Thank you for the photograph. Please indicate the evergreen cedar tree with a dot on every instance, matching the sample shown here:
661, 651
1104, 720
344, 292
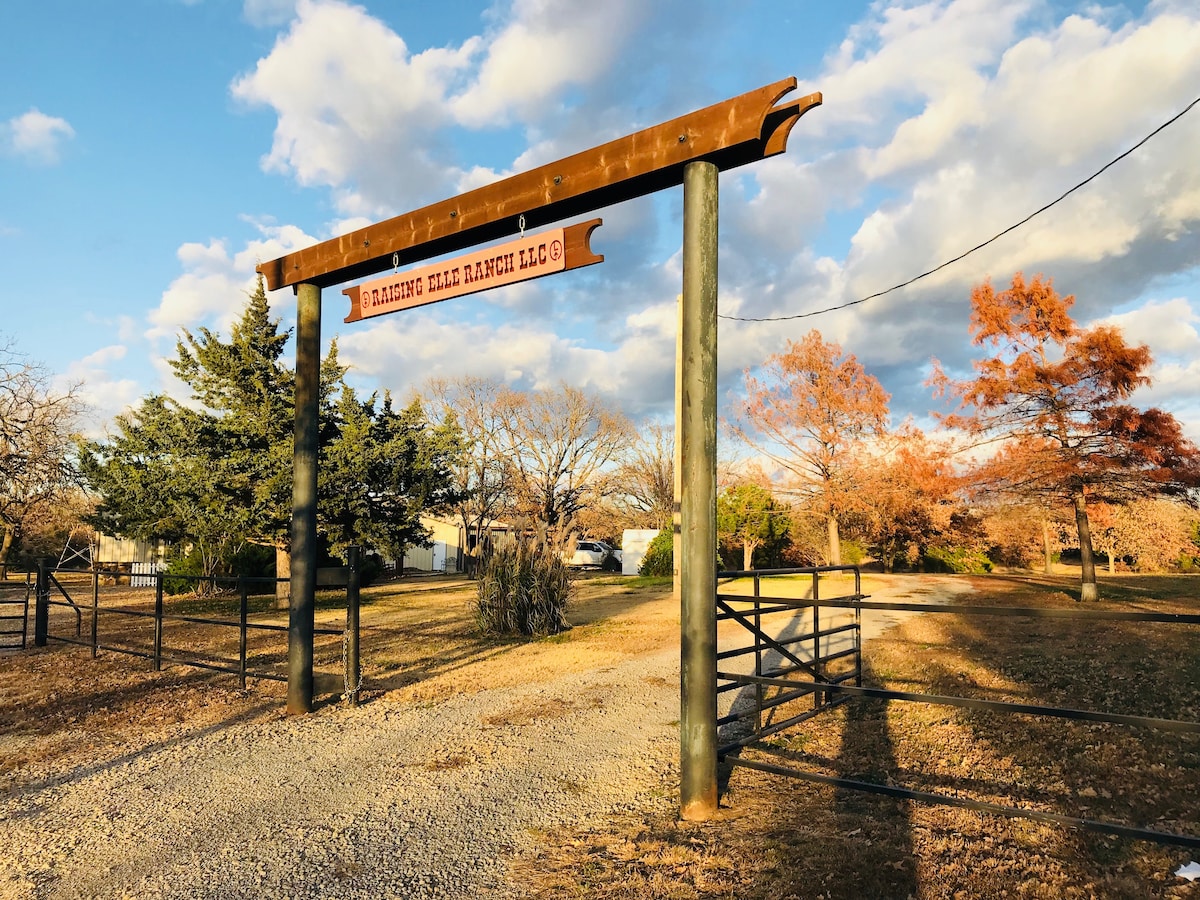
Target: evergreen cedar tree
220, 476
811, 412
1056, 396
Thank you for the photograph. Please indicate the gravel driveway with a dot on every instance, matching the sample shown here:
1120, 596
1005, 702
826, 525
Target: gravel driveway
385, 800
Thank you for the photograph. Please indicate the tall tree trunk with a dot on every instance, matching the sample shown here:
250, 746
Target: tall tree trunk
1049, 568
1087, 587
748, 555
6, 543
283, 569
1112, 562
835, 543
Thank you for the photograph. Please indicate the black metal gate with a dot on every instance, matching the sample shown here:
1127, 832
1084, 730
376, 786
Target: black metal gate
821, 650
799, 673
14, 614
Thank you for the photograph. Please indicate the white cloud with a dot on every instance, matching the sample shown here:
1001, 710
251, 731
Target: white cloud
354, 106
359, 113
103, 393
944, 122
403, 353
905, 55
37, 137
941, 127
1168, 327
268, 13
546, 46
1171, 329
1059, 105
213, 287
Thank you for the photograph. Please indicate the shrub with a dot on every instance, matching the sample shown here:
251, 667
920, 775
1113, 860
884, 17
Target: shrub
524, 589
660, 557
253, 561
188, 572
957, 560
370, 568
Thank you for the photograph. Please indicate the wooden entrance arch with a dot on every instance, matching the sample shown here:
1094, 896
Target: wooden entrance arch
690, 150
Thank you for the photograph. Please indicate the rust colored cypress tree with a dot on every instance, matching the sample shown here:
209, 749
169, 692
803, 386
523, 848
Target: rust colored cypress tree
1056, 398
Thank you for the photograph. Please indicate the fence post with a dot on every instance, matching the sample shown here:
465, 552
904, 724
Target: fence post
858, 629
818, 696
243, 610
95, 611
158, 621
41, 606
353, 672
758, 654
304, 499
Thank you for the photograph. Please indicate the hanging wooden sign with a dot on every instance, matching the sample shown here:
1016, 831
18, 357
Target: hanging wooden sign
529, 257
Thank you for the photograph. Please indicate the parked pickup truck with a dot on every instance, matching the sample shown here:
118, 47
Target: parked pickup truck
594, 554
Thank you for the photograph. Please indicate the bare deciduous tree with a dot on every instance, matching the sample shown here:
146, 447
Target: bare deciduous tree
37, 425
562, 444
483, 474
645, 482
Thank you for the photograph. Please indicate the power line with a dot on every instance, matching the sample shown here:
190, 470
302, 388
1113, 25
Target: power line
992, 239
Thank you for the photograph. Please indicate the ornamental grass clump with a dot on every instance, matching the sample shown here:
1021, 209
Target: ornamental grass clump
524, 589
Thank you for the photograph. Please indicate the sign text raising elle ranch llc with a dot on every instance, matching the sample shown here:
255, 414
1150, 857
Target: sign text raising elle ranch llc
528, 257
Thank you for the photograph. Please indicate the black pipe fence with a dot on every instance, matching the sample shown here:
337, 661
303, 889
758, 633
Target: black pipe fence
14, 613
234, 603
828, 690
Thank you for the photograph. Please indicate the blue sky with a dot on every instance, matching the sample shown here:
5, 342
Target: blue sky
153, 151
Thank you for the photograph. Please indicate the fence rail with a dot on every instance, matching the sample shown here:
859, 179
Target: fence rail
803, 645
156, 645
828, 691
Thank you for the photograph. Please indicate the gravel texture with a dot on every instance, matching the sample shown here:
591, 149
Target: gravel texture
383, 800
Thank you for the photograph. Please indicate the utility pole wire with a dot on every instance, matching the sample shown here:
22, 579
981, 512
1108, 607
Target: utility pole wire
992, 239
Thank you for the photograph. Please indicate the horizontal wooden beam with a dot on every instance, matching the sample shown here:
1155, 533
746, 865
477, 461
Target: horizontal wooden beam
733, 133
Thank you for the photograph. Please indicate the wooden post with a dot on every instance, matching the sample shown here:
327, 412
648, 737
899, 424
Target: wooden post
698, 574
95, 610
243, 615
353, 669
304, 500
677, 461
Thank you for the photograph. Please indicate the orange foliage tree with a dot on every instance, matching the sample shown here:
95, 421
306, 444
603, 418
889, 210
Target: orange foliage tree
909, 492
1056, 395
1019, 531
810, 410
1153, 534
